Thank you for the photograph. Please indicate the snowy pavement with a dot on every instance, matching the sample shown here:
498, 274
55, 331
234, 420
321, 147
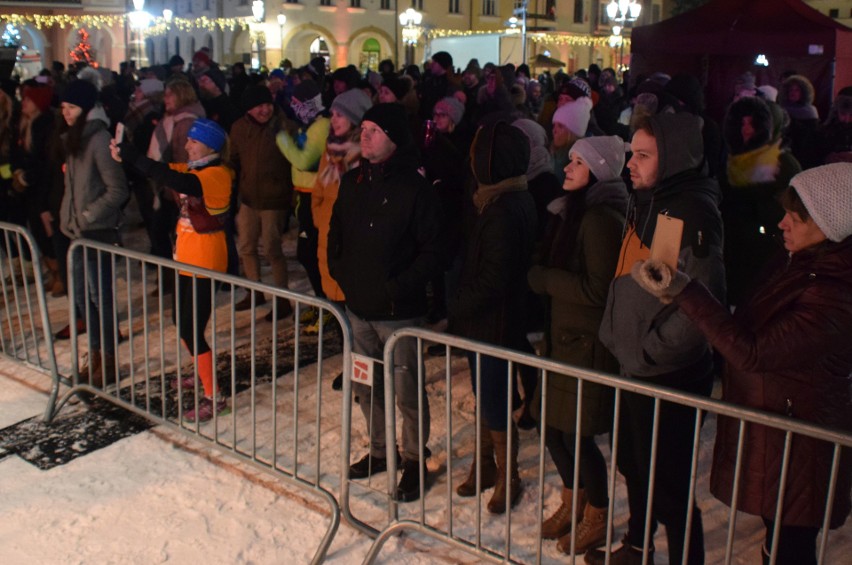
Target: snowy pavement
156, 497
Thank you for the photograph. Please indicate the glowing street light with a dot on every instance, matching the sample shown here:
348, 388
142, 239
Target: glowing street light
168, 15
258, 10
410, 21
623, 10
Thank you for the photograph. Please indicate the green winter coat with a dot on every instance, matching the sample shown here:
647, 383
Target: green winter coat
576, 291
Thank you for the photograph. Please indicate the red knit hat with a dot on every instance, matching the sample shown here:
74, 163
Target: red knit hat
40, 95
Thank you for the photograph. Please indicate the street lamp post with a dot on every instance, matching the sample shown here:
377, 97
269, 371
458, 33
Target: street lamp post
258, 12
139, 19
522, 11
624, 13
410, 21
282, 19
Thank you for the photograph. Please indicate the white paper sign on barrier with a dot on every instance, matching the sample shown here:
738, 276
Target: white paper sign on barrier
362, 369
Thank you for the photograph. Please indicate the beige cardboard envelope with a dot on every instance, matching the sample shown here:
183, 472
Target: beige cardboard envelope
667, 238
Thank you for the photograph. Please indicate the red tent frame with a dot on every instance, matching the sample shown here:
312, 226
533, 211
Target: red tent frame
720, 41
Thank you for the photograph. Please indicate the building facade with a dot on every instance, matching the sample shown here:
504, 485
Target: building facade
359, 32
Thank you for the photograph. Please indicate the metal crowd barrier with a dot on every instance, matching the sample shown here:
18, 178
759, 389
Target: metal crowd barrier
439, 514
269, 372
25, 333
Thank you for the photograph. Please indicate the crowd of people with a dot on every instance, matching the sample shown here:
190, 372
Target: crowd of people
506, 204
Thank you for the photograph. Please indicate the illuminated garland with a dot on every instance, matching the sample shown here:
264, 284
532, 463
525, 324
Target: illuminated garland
159, 26
573, 39
439, 33
548, 38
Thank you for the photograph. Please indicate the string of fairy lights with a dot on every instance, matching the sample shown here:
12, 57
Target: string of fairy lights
560, 38
159, 25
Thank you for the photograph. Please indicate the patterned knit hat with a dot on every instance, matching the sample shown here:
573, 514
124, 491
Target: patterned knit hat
826, 192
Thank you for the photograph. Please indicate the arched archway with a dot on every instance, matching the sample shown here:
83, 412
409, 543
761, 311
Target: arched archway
31, 50
300, 40
240, 48
368, 47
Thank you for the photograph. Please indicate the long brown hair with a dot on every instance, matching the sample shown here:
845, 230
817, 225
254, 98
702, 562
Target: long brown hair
74, 142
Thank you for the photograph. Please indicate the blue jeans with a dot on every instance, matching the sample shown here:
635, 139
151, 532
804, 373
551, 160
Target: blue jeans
493, 392
96, 306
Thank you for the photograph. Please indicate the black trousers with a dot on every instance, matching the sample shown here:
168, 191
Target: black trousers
306, 247
796, 544
194, 315
674, 458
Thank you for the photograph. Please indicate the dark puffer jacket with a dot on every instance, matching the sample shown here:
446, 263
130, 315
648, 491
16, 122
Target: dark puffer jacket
384, 241
490, 304
787, 352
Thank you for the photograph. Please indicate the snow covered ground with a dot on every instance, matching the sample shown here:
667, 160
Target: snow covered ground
156, 496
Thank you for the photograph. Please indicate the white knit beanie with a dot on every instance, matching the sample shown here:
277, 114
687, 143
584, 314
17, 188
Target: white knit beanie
604, 155
575, 115
826, 192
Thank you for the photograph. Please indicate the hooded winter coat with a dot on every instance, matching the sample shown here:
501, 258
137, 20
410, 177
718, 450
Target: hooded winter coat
756, 173
575, 279
490, 303
787, 352
384, 241
651, 340
95, 185
804, 121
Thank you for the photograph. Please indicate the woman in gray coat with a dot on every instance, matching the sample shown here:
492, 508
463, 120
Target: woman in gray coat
95, 191
573, 270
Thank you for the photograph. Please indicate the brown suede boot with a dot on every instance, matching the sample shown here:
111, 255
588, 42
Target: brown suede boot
560, 523
102, 369
488, 477
590, 531
92, 369
497, 504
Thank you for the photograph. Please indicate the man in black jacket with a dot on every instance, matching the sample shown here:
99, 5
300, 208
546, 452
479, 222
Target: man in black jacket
657, 344
383, 246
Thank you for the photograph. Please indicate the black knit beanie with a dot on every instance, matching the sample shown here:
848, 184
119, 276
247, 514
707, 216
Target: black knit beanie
254, 96
500, 151
391, 119
81, 93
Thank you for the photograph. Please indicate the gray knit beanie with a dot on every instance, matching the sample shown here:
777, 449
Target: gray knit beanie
452, 107
826, 192
604, 155
352, 104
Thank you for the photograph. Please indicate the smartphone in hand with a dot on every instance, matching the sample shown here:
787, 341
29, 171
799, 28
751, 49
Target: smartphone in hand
119, 132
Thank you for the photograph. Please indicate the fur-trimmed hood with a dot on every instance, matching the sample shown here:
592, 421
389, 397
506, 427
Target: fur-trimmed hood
761, 120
